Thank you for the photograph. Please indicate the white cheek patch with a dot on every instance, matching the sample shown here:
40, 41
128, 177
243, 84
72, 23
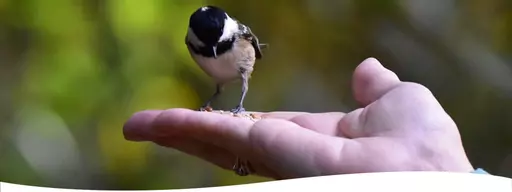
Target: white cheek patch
230, 28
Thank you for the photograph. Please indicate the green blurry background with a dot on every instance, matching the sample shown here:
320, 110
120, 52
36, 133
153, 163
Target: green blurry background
72, 72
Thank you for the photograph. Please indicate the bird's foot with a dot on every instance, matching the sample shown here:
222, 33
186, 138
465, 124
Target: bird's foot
206, 108
238, 109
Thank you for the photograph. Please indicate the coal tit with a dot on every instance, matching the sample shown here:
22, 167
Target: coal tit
224, 49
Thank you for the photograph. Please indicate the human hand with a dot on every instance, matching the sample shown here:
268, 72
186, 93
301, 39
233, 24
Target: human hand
401, 127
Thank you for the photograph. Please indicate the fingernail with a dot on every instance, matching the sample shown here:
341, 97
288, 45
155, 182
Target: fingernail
137, 128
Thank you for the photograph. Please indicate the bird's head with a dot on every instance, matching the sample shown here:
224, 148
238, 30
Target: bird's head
210, 25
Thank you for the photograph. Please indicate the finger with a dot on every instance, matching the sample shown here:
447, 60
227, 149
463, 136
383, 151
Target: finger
295, 151
215, 155
213, 128
320, 122
352, 124
137, 127
371, 80
224, 131
324, 123
287, 115
218, 156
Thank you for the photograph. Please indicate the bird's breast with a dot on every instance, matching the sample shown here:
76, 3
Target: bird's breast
227, 67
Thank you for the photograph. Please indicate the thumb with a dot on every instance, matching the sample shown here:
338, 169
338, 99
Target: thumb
371, 80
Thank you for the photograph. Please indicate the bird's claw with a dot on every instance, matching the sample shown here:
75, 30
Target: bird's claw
205, 108
238, 109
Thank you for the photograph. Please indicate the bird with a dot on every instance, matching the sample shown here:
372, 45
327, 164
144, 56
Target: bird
224, 48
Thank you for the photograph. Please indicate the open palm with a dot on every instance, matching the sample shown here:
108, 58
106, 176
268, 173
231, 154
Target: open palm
400, 127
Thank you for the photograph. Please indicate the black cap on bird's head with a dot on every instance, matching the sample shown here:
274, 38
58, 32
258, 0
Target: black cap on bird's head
207, 23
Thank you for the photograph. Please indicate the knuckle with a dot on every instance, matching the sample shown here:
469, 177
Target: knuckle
259, 134
417, 87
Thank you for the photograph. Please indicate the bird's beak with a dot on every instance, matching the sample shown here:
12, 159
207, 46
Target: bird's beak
214, 52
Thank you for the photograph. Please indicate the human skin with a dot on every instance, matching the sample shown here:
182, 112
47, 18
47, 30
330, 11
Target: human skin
399, 127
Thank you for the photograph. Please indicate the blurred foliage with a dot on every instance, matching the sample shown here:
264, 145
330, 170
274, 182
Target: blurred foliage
72, 72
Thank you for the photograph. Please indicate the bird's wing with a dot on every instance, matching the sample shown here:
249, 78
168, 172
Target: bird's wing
247, 33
